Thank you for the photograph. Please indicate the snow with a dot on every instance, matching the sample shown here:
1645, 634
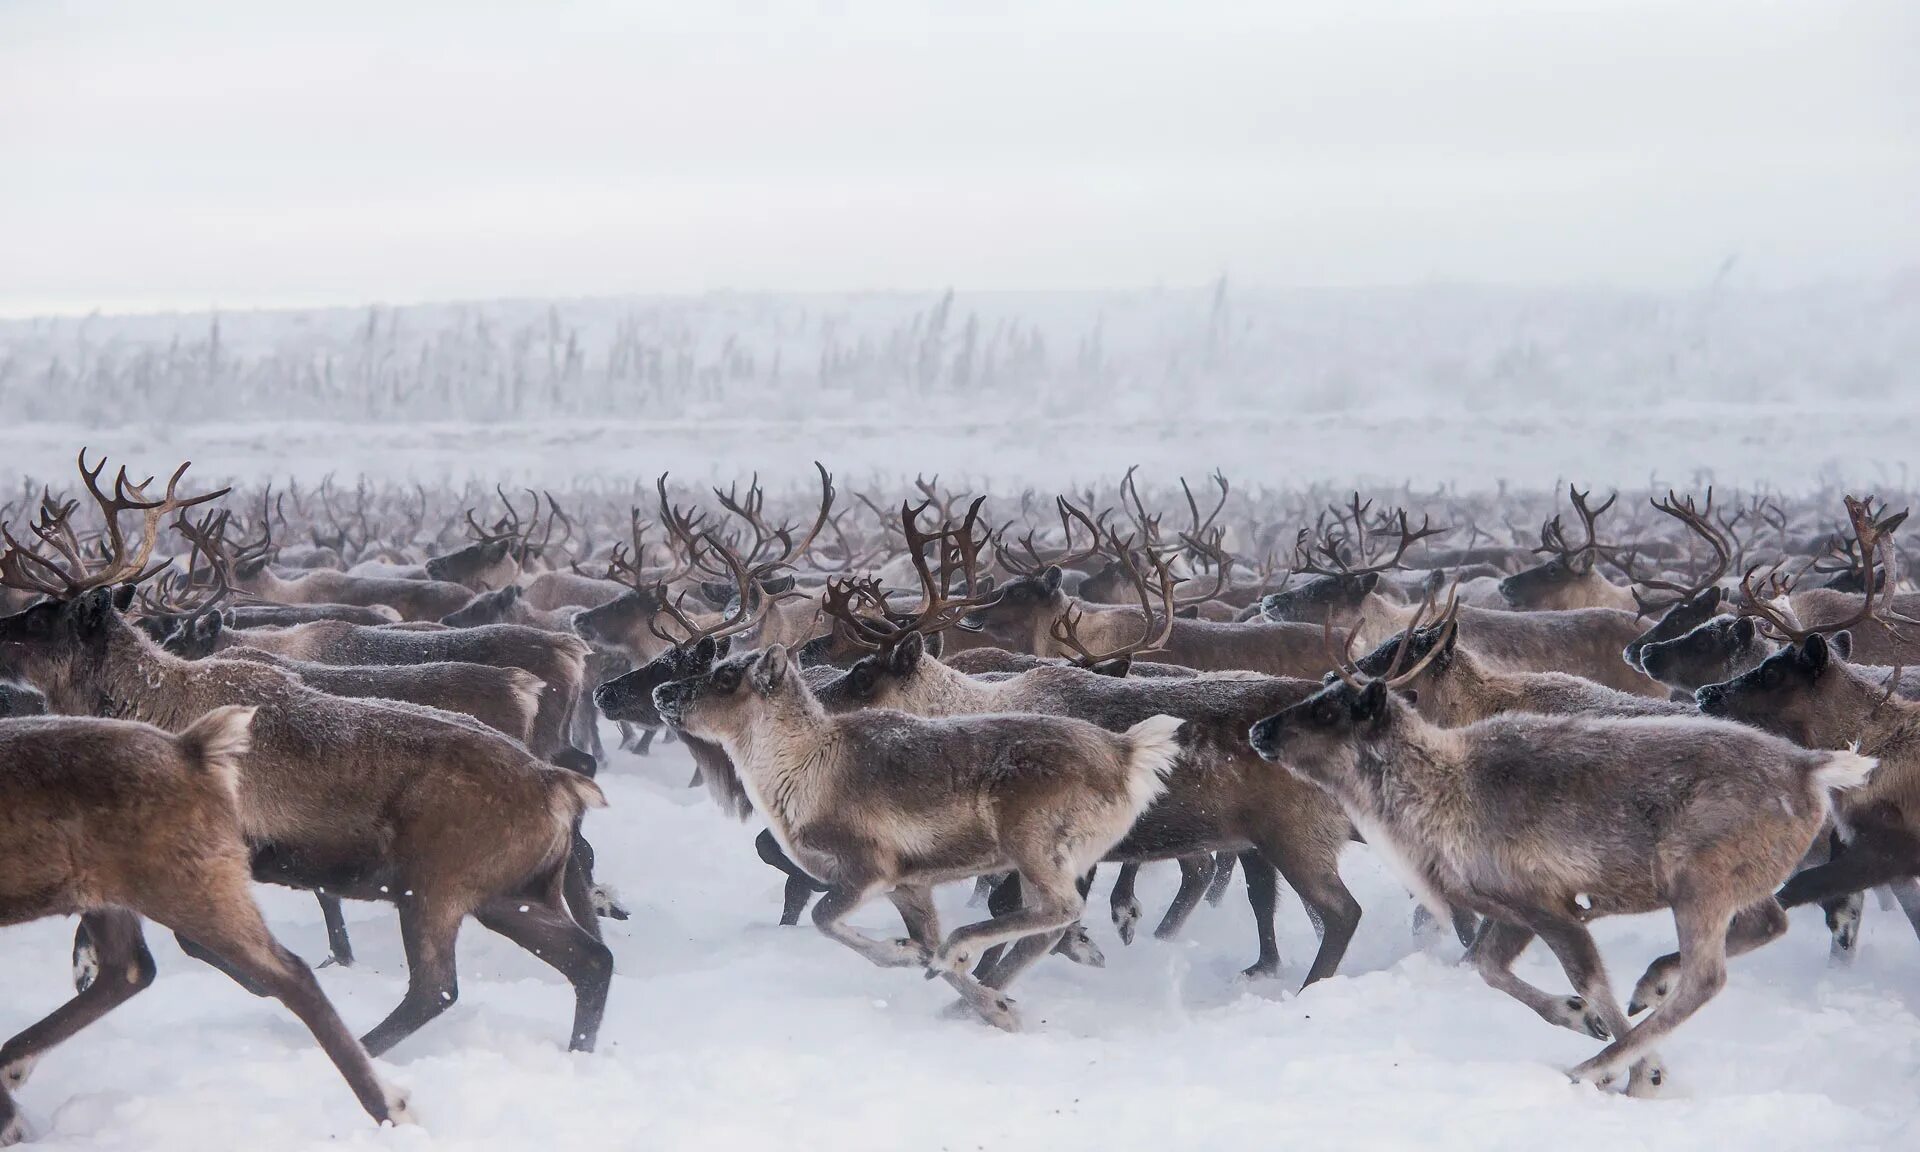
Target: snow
727, 1031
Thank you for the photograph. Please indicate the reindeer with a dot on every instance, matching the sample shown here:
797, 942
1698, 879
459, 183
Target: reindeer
1218, 799
1570, 577
876, 802
1542, 823
368, 800
115, 820
1455, 687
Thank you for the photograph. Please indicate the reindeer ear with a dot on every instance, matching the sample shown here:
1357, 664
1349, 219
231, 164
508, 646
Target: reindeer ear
123, 597
1117, 669
1842, 644
1050, 579
509, 594
1370, 581
936, 645
705, 651
1410, 695
905, 656
1743, 630
777, 585
1813, 653
770, 671
721, 647
1711, 598
250, 567
1372, 700
717, 593
207, 626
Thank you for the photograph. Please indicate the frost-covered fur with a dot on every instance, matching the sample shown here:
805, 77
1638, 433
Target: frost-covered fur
1220, 798
1543, 823
880, 802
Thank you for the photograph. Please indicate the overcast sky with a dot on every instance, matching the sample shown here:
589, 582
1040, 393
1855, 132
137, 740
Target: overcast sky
191, 153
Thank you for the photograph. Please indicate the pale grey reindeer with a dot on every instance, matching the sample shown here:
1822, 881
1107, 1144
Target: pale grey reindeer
1543, 823
877, 802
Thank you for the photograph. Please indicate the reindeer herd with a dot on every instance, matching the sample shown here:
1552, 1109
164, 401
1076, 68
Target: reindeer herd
401, 695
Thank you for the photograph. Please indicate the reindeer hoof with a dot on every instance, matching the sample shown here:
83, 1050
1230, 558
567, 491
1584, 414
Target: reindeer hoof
1574, 1012
1078, 947
400, 1109
1647, 1079
337, 961
999, 1012
1651, 991
1261, 970
86, 965
14, 1075
1126, 918
606, 905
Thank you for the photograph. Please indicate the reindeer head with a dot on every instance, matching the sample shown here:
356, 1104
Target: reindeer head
727, 700
1719, 649
630, 697
1322, 738
1805, 692
1567, 578
1337, 597
482, 565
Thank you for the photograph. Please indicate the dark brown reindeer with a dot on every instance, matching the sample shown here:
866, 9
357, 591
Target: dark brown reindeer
368, 800
879, 803
1542, 823
114, 820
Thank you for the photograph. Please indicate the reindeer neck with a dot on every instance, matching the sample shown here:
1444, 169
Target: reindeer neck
138, 680
784, 757
939, 690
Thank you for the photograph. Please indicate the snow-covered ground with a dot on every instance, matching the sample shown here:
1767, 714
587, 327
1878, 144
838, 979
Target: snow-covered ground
726, 1031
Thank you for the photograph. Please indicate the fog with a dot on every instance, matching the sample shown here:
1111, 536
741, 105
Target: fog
200, 155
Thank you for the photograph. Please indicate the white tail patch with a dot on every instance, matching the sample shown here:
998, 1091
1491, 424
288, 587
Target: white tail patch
1156, 743
1844, 771
218, 740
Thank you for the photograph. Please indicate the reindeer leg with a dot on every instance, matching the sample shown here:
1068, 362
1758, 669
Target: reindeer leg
830, 915
1263, 897
1123, 903
428, 932
339, 947
1754, 925
1053, 902
800, 886
1222, 876
229, 925
1196, 873
1579, 958
1702, 973
1003, 899
546, 929
1907, 894
1492, 955
1313, 872
126, 970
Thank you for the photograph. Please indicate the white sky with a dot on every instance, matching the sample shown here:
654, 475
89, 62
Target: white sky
188, 154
